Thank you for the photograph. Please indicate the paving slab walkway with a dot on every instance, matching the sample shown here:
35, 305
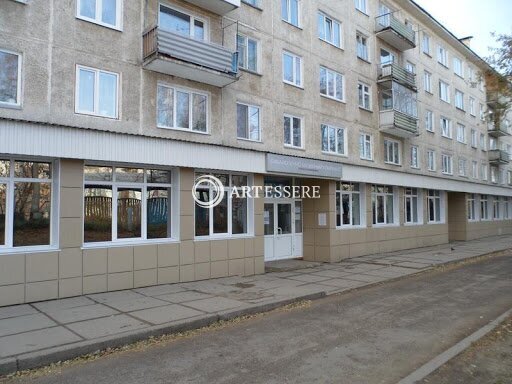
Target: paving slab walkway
36, 334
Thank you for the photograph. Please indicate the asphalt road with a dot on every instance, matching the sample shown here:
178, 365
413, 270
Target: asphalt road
374, 335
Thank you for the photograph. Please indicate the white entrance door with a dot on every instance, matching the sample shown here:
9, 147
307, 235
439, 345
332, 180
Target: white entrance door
281, 239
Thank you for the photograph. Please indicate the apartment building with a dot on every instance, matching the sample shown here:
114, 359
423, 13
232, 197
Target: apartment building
109, 109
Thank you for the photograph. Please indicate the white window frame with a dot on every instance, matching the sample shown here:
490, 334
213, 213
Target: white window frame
429, 121
463, 164
474, 138
496, 208
97, 72
191, 92
472, 110
375, 194
329, 73
446, 127
442, 56
301, 120
494, 175
484, 172
427, 81
484, 208
245, 53
10, 181
228, 192
459, 100
331, 38
415, 157
329, 127
361, 6
474, 169
119, 15
483, 142
411, 194
248, 122
481, 111
362, 40
173, 221
458, 67
367, 146
437, 197
297, 81
461, 133
363, 90
19, 88
339, 195
392, 149
425, 44
444, 91
288, 12
447, 164
471, 204
431, 160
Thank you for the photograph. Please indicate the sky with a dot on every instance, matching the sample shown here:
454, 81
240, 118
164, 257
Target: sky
477, 18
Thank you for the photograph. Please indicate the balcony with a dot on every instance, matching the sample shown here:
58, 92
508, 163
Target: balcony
179, 55
498, 156
398, 124
497, 130
394, 32
220, 7
394, 72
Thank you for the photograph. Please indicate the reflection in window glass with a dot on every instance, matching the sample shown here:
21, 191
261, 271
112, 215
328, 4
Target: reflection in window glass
158, 176
97, 213
31, 170
9, 81
158, 213
88, 8
4, 168
108, 94
131, 175
94, 173
198, 112
86, 91
182, 110
202, 214
220, 216
174, 21
129, 210
239, 215
32, 208
298, 217
108, 13
3, 196
268, 219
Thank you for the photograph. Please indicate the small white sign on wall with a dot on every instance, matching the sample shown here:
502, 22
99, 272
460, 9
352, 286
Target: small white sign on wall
322, 219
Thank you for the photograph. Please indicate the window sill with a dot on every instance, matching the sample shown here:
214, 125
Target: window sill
365, 159
446, 137
10, 106
183, 130
427, 54
364, 60
223, 237
332, 44
334, 154
395, 164
348, 227
293, 25
362, 12
447, 174
443, 65
252, 6
293, 85
445, 101
293, 147
386, 225
430, 131
462, 142
435, 222
416, 168
333, 98
81, 113
365, 109
33, 249
256, 73
430, 93
92, 21
412, 224
127, 243
249, 140
460, 109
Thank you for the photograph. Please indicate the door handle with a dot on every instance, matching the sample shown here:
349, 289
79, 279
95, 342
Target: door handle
279, 231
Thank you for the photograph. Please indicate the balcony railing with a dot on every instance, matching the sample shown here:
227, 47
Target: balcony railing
498, 130
179, 55
220, 7
498, 156
398, 124
394, 72
394, 32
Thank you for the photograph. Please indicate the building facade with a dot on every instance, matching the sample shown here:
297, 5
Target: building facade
109, 109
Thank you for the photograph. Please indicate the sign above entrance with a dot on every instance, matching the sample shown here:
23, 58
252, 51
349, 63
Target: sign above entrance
303, 167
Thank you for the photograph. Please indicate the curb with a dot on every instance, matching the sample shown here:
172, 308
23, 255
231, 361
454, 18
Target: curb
45, 357
450, 353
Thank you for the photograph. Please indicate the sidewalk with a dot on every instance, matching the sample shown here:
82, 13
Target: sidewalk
32, 335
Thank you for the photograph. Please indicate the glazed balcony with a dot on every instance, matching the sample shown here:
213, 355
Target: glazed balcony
398, 124
220, 7
193, 59
498, 156
497, 130
394, 72
394, 32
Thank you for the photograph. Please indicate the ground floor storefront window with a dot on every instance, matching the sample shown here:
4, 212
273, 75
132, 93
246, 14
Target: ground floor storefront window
348, 204
434, 207
412, 206
26, 189
383, 204
230, 216
122, 203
